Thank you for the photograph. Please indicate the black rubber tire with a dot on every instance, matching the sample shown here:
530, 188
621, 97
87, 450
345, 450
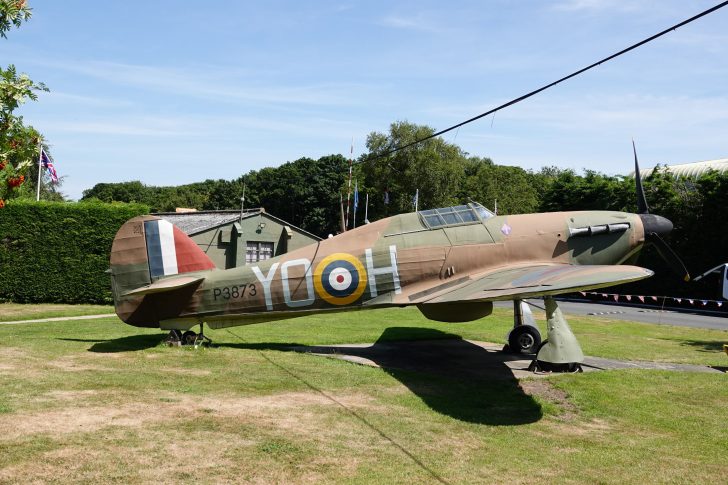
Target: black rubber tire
189, 338
568, 368
174, 338
524, 339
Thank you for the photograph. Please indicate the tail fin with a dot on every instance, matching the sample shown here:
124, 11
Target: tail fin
147, 249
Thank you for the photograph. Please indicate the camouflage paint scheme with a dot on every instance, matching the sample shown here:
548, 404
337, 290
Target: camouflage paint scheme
451, 273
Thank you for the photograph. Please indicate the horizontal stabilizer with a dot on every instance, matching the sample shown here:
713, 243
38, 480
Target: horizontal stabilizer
168, 284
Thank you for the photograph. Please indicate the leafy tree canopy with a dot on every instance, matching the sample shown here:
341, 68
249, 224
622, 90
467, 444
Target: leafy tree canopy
12, 14
19, 143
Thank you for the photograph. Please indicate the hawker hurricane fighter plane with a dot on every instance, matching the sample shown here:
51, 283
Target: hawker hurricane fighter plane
452, 263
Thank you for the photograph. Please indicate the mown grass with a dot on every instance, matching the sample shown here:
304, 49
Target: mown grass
100, 401
16, 311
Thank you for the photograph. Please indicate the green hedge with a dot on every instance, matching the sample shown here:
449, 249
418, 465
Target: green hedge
55, 252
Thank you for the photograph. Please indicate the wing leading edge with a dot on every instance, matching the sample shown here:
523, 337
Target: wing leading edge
536, 280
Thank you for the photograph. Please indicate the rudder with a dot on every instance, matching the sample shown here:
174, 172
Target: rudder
145, 250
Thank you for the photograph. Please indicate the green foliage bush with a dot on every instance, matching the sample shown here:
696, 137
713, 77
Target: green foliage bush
52, 252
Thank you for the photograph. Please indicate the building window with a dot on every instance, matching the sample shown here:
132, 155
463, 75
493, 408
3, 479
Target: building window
258, 251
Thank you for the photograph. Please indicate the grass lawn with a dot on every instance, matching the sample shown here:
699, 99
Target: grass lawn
14, 311
100, 401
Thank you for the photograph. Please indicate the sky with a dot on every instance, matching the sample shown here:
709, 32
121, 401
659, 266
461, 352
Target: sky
176, 91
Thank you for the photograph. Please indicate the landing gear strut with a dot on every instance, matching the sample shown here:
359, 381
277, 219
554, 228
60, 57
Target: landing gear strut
525, 337
561, 352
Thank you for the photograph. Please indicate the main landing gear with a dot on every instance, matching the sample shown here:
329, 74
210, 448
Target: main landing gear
525, 337
560, 352
177, 338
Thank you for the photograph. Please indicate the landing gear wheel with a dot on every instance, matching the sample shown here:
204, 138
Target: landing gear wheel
174, 338
189, 338
524, 339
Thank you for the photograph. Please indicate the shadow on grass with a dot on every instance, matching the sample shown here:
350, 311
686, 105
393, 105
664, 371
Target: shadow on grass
706, 345
122, 344
452, 376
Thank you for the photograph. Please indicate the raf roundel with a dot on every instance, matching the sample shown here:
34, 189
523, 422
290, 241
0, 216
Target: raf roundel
340, 279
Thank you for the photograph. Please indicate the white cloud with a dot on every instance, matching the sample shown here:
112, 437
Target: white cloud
418, 22
111, 128
194, 127
78, 99
591, 5
212, 82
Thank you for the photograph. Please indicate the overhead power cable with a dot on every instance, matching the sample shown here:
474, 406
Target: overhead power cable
543, 88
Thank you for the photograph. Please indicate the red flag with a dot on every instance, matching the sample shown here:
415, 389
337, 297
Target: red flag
48, 165
642, 298
616, 297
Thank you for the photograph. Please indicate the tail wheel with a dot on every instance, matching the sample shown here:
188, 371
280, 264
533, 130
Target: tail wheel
524, 339
189, 338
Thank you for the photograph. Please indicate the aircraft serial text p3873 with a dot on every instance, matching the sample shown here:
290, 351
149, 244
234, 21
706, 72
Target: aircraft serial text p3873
452, 263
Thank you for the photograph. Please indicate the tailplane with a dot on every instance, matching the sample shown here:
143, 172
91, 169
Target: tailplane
147, 256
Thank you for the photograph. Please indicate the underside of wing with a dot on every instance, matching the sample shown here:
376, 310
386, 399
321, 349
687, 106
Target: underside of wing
517, 282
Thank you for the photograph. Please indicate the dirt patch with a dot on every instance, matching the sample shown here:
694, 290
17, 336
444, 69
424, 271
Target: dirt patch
13, 354
71, 395
71, 364
292, 412
13, 359
583, 428
544, 389
187, 372
267, 439
568, 422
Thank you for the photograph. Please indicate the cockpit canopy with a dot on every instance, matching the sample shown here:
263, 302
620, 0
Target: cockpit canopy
455, 216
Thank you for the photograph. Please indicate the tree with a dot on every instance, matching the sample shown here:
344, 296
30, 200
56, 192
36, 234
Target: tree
304, 192
593, 191
434, 167
133, 191
12, 13
513, 189
18, 142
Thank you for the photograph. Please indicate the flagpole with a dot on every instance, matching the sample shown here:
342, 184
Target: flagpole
366, 210
356, 201
242, 204
341, 205
40, 169
417, 198
348, 190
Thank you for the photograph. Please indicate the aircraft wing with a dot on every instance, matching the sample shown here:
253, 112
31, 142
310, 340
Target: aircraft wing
536, 280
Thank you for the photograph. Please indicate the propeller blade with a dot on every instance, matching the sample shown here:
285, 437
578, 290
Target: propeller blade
642, 207
670, 257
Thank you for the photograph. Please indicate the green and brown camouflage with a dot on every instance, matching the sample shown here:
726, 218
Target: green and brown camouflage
452, 263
